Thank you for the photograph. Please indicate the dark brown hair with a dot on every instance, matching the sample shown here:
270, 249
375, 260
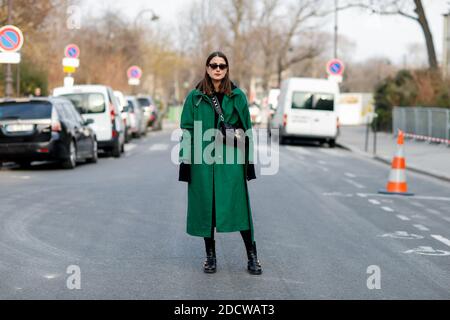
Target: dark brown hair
206, 86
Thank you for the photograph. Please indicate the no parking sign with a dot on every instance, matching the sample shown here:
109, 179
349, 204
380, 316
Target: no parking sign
134, 74
335, 70
11, 41
71, 61
72, 51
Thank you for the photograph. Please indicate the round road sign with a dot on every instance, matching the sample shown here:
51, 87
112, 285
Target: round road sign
335, 67
11, 39
134, 72
72, 51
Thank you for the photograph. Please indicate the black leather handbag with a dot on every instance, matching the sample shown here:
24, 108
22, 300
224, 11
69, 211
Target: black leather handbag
228, 133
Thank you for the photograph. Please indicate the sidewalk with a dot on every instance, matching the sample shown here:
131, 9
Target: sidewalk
423, 157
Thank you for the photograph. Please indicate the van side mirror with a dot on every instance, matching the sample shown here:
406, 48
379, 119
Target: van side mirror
89, 121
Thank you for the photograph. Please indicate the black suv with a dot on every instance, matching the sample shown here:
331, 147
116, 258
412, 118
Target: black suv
42, 129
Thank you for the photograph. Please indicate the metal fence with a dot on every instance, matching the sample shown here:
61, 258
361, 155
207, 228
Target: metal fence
428, 124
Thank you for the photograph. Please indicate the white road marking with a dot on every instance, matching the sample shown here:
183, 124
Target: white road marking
375, 202
419, 216
300, 150
22, 177
417, 204
446, 219
387, 209
364, 195
356, 184
421, 227
332, 152
350, 175
433, 211
159, 147
428, 251
50, 276
322, 162
441, 239
401, 235
337, 194
401, 217
130, 146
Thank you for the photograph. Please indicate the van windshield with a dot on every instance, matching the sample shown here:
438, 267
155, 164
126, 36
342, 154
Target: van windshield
87, 102
313, 101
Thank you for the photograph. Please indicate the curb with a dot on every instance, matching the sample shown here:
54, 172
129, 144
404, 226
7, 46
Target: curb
388, 162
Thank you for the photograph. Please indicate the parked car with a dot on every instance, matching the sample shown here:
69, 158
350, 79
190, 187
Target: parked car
43, 129
306, 109
98, 103
151, 112
138, 121
125, 114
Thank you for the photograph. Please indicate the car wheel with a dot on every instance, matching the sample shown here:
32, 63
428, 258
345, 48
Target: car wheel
71, 161
332, 143
94, 157
116, 149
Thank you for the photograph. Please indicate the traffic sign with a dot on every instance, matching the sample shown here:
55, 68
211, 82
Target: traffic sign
71, 62
134, 72
11, 39
335, 67
134, 82
72, 51
10, 57
69, 69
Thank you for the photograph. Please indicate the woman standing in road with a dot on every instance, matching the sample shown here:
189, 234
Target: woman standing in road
217, 190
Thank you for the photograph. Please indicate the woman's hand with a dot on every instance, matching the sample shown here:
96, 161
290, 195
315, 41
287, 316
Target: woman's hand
185, 172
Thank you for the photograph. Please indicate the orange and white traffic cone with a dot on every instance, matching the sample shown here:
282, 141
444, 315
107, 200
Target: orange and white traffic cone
397, 176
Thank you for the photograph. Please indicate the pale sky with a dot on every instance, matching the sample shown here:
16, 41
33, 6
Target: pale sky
374, 36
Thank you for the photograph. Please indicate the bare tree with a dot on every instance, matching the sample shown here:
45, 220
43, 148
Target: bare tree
411, 9
288, 52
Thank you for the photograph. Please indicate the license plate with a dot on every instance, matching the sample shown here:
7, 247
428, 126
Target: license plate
19, 127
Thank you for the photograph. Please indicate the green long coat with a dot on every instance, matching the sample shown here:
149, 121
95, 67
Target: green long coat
217, 175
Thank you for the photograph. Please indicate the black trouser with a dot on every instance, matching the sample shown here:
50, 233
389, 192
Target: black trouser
246, 236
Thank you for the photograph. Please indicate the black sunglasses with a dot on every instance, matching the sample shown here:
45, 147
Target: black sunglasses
221, 66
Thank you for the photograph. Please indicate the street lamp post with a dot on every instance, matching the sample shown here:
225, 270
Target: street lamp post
336, 2
8, 76
446, 49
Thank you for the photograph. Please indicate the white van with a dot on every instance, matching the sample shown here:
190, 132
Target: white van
306, 110
98, 102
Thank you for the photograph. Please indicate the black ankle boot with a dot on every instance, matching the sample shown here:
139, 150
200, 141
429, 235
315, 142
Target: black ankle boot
254, 267
210, 264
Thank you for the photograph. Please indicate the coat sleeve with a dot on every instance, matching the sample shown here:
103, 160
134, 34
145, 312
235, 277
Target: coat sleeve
187, 127
250, 166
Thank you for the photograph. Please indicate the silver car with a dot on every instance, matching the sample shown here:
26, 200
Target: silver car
138, 119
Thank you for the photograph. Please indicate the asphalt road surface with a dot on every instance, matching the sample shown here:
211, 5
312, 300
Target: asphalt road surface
322, 231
